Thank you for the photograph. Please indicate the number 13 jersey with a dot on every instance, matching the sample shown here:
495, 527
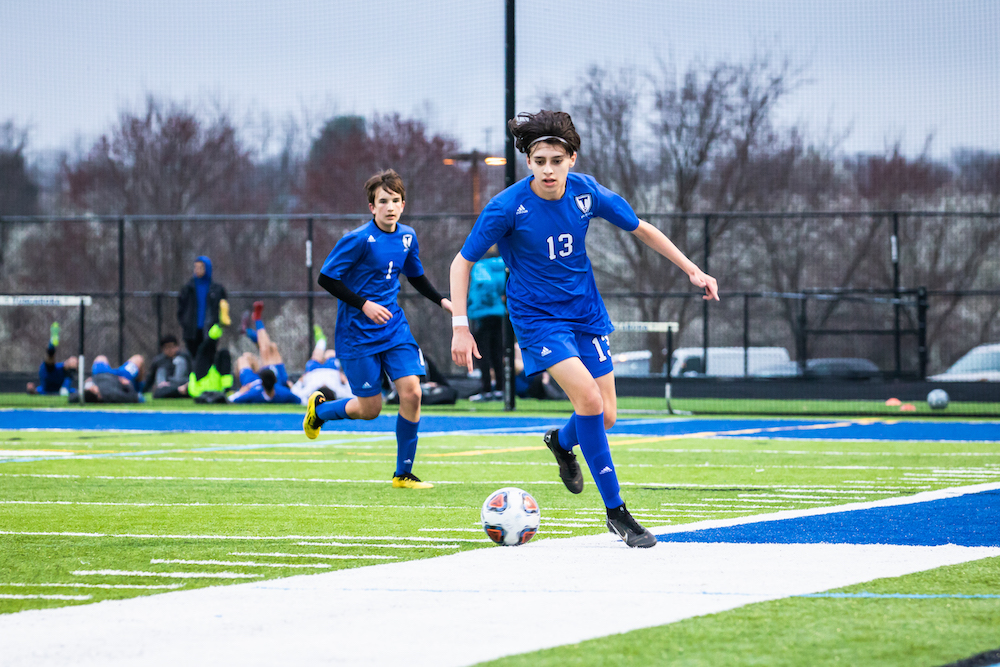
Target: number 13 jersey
543, 242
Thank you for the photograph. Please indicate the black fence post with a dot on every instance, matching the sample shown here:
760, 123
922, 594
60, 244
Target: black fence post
81, 359
121, 290
803, 343
746, 334
897, 338
922, 330
159, 317
510, 176
309, 283
704, 303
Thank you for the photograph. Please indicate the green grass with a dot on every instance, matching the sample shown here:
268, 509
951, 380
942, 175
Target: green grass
144, 498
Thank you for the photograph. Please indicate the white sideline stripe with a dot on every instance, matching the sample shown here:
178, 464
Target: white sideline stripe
76, 585
479, 530
167, 575
827, 452
181, 561
379, 546
15, 596
327, 556
34, 452
340, 617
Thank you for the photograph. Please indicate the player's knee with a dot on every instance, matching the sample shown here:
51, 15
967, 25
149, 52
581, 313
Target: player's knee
409, 395
370, 407
610, 417
589, 402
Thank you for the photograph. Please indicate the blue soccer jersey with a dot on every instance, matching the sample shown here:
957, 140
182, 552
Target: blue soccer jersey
369, 261
551, 285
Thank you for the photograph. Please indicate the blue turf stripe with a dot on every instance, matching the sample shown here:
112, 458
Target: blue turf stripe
971, 520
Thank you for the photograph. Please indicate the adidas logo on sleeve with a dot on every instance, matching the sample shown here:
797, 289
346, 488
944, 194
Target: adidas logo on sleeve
520, 210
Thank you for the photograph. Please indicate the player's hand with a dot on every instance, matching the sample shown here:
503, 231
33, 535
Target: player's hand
463, 347
376, 313
701, 279
446, 304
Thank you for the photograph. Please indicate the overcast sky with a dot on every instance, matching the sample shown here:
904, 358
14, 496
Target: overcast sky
890, 69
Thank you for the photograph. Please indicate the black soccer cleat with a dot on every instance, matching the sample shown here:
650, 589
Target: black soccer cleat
621, 523
569, 469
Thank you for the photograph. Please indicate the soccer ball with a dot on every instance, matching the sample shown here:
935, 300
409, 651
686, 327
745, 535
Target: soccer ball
937, 399
510, 516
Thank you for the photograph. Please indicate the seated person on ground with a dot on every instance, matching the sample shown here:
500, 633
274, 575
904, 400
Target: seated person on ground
169, 370
53, 377
114, 385
263, 379
322, 370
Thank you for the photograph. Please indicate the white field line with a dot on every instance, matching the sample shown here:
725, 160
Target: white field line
15, 596
78, 585
379, 546
165, 575
326, 505
167, 478
806, 452
181, 561
326, 556
257, 538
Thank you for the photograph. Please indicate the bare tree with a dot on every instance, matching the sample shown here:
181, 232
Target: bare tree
164, 161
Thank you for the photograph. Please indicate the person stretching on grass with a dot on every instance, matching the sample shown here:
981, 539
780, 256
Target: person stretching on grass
540, 224
372, 335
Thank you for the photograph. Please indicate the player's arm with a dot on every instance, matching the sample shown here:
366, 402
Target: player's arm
423, 285
463, 345
375, 312
656, 240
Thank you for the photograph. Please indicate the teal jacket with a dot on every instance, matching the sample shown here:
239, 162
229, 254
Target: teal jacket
486, 288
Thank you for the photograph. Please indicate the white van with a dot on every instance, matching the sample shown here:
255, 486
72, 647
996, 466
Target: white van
725, 361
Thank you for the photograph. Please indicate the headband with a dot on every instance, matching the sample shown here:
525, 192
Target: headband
548, 138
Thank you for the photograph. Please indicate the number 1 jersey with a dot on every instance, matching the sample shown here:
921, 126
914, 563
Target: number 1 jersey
369, 261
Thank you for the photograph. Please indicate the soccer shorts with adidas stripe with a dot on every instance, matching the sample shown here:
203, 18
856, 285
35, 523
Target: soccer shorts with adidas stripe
365, 373
592, 349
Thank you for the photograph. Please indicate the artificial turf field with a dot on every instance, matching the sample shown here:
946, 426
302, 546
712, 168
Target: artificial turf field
87, 516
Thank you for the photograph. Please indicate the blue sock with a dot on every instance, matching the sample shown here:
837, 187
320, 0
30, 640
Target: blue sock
594, 445
406, 444
328, 410
567, 434
252, 334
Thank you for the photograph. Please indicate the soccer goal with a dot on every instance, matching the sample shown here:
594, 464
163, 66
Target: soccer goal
642, 353
58, 319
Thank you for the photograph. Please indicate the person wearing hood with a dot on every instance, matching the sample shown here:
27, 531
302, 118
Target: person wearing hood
201, 304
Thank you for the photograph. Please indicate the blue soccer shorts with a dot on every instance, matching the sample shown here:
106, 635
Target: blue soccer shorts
365, 373
592, 349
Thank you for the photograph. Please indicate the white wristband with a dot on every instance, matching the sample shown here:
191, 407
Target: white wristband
460, 321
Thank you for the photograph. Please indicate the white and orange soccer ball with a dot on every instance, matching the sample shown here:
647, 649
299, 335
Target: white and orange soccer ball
510, 516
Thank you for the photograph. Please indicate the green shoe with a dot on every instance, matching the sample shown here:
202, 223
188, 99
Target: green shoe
215, 333
54, 334
318, 334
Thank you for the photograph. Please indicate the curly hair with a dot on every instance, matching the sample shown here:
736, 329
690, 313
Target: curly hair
554, 127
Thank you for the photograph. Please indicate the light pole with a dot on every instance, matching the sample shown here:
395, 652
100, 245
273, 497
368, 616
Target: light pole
475, 158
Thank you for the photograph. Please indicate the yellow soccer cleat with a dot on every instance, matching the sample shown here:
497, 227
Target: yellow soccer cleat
409, 481
311, 423
224, 313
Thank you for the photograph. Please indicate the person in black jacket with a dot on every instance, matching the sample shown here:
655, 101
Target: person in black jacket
201, 304
169, 370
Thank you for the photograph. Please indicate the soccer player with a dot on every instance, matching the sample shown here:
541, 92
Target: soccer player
263, 379
540, 224
372, 335
55, 377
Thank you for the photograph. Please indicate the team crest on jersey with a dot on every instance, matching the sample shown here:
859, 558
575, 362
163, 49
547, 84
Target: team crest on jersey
407, 240
584, 202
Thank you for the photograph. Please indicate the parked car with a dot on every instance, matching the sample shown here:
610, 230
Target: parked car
980, 364
687, 361
844, 368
